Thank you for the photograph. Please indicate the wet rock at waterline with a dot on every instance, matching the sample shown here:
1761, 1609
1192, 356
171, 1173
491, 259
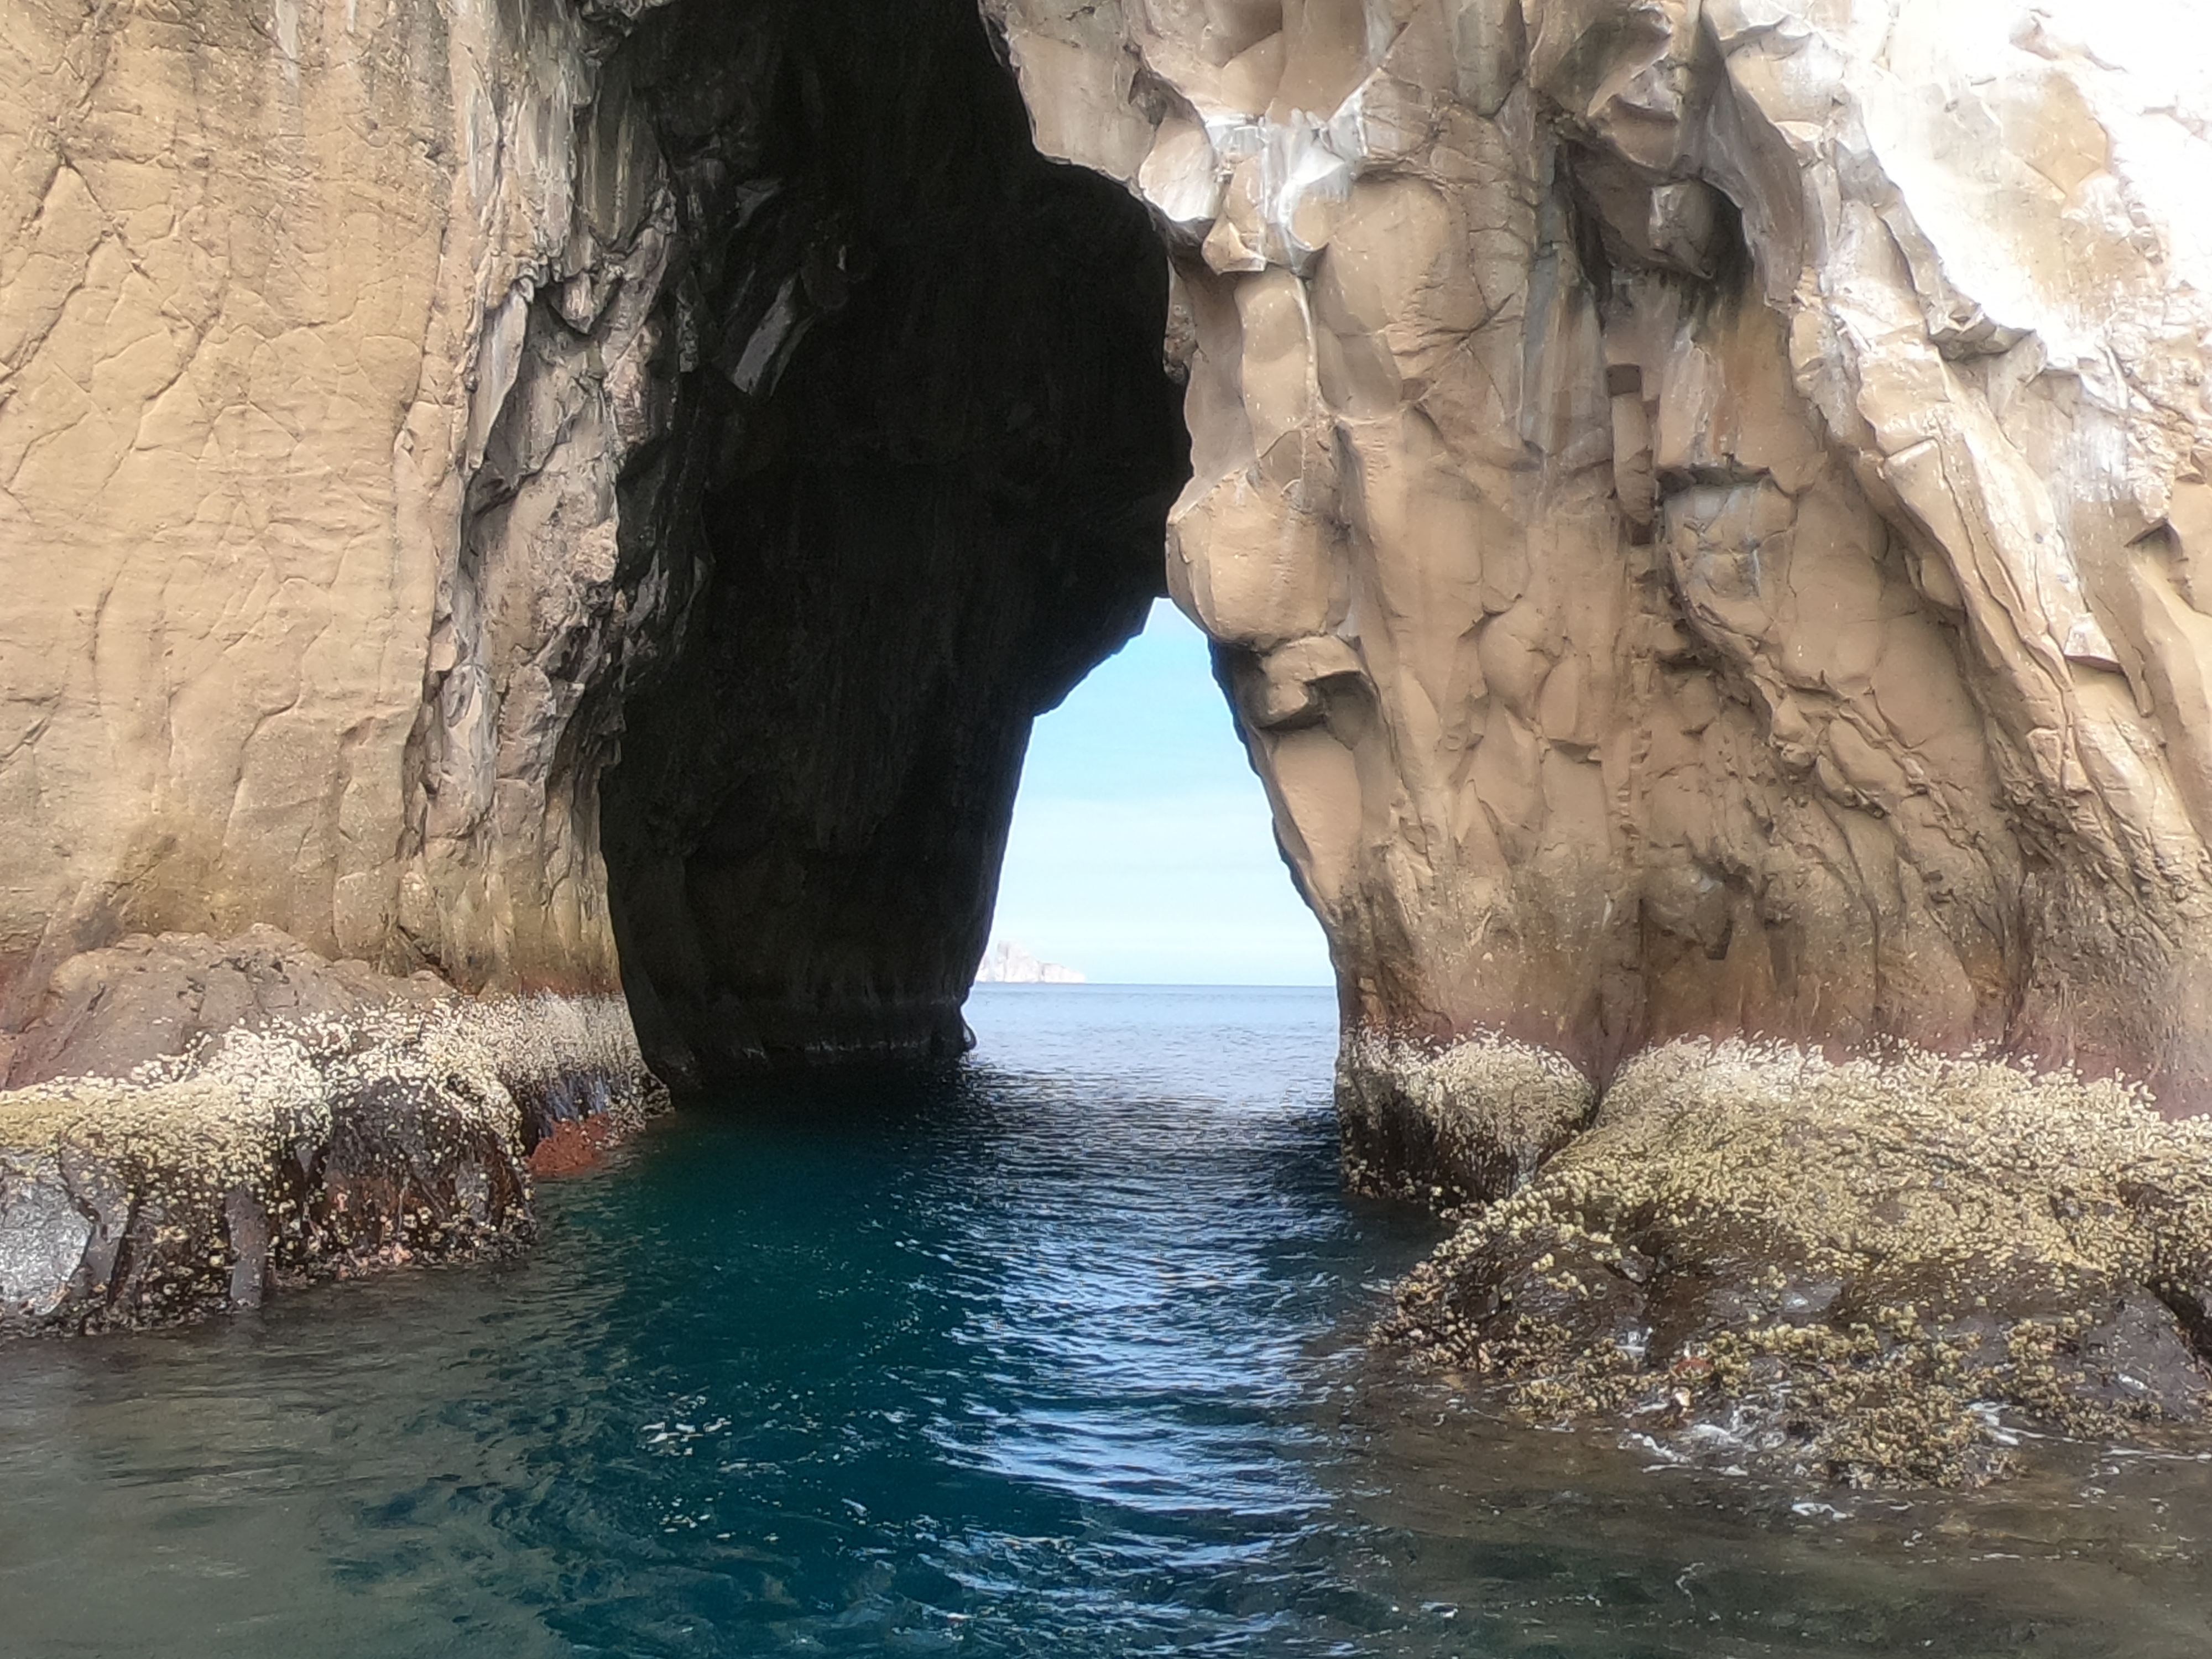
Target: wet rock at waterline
1868, 1271
340, 1132
1457, 1123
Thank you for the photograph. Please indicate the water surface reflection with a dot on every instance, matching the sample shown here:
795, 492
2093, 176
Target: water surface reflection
1060, 1355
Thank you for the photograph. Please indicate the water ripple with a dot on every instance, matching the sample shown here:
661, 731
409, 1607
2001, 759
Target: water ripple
1058, 1356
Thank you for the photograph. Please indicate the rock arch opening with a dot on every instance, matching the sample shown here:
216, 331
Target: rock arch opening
911, 445
1143, 849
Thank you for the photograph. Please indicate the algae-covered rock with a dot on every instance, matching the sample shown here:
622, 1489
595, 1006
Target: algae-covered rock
315, 1147
1870, 1270
1453, 1122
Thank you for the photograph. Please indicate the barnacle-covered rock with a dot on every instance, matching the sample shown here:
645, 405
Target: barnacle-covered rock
305, 1147
1452, 1123
1868, 1270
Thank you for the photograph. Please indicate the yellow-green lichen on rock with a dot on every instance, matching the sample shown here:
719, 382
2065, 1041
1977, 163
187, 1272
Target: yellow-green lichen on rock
1455, 1121
1868, 1270
314, 1147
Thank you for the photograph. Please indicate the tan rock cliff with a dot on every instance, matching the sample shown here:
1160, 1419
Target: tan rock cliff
1703, 504
262, 271
311, 569
485, 483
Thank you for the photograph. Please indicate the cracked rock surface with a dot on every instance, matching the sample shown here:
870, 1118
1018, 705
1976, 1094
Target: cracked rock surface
408, 412
1697, 500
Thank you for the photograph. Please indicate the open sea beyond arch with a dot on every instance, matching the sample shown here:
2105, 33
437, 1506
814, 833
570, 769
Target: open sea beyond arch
1063, 1354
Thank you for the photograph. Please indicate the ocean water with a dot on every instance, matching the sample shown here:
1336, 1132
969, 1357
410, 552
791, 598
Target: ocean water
1059, 1354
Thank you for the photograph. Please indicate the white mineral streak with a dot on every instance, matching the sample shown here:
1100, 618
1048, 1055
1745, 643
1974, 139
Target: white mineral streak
1649, 628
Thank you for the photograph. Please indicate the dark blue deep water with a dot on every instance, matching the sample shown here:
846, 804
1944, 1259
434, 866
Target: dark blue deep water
1062, 1355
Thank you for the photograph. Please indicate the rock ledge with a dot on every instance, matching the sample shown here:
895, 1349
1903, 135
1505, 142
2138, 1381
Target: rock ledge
316, 1146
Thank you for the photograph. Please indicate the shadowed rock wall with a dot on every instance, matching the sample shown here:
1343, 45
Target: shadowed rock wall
921, 468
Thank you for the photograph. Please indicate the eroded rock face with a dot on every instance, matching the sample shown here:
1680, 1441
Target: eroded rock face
288, 642
1699, 506
1698, 503
405, 410
275, 688
408, 411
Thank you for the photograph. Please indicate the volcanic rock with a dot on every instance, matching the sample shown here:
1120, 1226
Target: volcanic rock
1696, 503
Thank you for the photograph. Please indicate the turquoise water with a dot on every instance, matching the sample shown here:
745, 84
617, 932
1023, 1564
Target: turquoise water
1060, 1355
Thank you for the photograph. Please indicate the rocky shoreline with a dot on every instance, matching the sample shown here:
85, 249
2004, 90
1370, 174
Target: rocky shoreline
379, 1123
1872, 1270
1890, 1269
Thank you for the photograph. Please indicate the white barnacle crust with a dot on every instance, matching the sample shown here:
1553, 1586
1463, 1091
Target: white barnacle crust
321, 1145
1470, 1119
1844, 1262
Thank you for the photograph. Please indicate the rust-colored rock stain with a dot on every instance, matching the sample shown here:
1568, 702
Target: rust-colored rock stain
573, 1146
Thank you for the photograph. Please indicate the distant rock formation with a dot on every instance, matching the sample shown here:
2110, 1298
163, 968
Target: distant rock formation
1007, 963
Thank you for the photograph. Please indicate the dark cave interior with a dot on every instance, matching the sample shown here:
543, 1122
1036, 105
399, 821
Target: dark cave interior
923, 447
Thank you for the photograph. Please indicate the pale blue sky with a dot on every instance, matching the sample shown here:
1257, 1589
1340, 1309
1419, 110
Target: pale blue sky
1141, 851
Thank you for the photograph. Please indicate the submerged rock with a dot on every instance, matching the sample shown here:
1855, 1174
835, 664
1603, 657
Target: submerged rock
1867, 1270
